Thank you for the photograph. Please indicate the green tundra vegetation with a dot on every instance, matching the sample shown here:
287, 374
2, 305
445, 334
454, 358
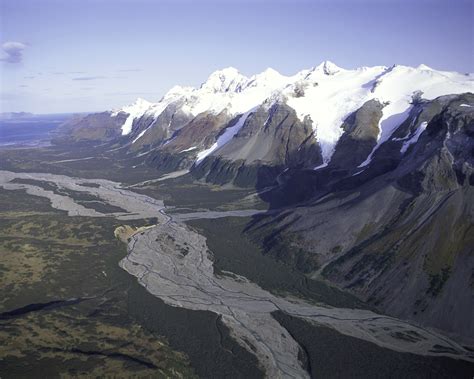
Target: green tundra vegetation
63, 299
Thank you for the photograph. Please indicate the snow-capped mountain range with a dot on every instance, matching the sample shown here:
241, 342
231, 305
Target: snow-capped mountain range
367, 171
325, 94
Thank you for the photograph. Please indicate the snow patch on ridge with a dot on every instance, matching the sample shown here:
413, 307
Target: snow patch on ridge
188, 149
415, 137
141, 134
228, 134
135, 110
320, 166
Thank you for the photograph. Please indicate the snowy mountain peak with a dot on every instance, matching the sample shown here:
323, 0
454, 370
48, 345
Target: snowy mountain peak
269, 72
226, 80
269, 75
178, 91
140, 102
268, 78
328, 68
424, 67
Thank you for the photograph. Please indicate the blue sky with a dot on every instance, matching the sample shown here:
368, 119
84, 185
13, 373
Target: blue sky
90, 55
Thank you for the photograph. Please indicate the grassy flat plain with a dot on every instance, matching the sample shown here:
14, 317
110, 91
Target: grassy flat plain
80, 160
64, 302
68, 309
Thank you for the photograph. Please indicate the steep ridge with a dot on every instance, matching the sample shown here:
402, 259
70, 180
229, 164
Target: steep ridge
177, 152
268, 141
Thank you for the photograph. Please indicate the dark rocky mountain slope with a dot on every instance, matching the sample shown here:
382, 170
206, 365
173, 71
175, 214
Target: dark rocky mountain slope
400, 234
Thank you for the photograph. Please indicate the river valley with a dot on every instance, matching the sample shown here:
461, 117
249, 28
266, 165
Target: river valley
173, 262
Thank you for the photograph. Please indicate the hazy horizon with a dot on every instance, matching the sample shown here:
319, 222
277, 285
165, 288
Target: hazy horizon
88, 56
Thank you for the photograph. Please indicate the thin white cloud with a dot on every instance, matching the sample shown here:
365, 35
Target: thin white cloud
89, 78
12, 52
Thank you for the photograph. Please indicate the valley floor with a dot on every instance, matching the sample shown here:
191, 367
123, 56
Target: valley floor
69, 309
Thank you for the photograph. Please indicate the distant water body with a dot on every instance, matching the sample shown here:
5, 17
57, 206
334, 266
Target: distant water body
35, 130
